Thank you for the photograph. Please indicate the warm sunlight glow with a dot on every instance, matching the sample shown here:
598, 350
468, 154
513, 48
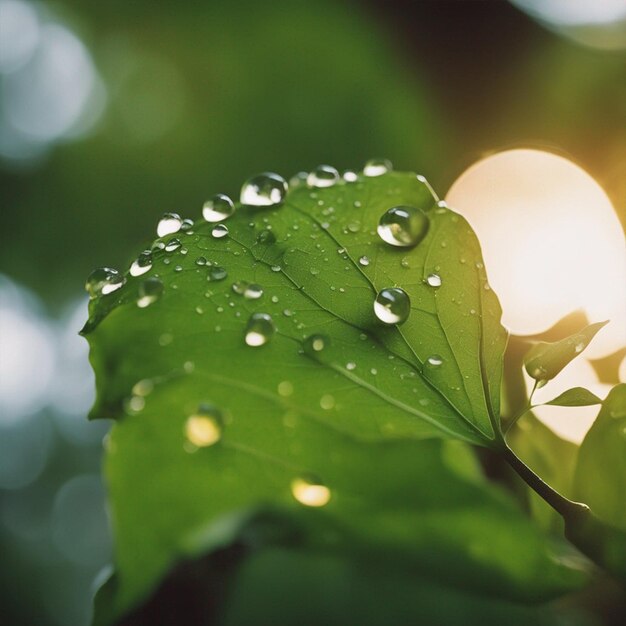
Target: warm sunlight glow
551, 239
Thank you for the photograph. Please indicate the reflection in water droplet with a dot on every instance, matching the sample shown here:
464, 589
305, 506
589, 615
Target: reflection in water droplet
204, 428
403, 226
310, 491
315, 343
260, 329
433, 280
142, 264
377, 167
434, 360
218, 208
187, 225
216, 273
150, 290
265, 189
364, 261
172, 245
103, 281
323, 176
169, 224
392, 305
253, 291
219, 231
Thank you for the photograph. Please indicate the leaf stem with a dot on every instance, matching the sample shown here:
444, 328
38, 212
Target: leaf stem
567, 508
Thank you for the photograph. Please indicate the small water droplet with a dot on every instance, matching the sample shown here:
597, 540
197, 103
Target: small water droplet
218, 208
216, 273
204, 428
310, 491
201, 260
219, 231
260, 329
103, 281
150, 290
433, 280
275, 268
267, 189
364, 261
579, 347
253, 291
392, 305
323, 176
350, 176
298, 179
142, 264
434, 360
285, 388
327, 402
315, 344
377, 167
186, 225
172, 245
169, 224
403, 226
266, 237
351, 365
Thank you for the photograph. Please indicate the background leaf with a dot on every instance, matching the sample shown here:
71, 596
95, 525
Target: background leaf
333, 418
545, 360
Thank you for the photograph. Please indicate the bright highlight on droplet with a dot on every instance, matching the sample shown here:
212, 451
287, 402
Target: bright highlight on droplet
310, 493
203, 430
551, 239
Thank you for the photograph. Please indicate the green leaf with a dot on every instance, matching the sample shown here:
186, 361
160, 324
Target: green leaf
545, 360
576, 396
600, 479
354, 420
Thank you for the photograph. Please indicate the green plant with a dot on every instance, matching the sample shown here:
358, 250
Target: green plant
298, 386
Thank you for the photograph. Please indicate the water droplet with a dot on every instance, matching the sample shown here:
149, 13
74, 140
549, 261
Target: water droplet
150, 290
201, 260
350, 366
285, 388
579, 347
323, 176
265, 189
310, 491
169, 224
103, 281
260, 329
253, 291
377, 167
350, 176
434, 360
327, 402
142, 264
354, 227
405, 262
275, 268
186, 225
216, 273
266, 237
218, 208
204, 428
403, 226
364, 261
392, 305
172, 245
315, 343
298, 179
219, 231
433, 280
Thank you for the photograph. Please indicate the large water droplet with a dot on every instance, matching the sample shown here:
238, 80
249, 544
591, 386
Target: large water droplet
218, 208
172, 245
204, 428
103, 281
377, 167
150, 290
403, 226
169, 224
219, 231
310, 491
142, 264
265, 189
260, 329
392, 305
433, 280
323, 176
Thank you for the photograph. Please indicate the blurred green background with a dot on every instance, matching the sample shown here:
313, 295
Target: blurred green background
112, 113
